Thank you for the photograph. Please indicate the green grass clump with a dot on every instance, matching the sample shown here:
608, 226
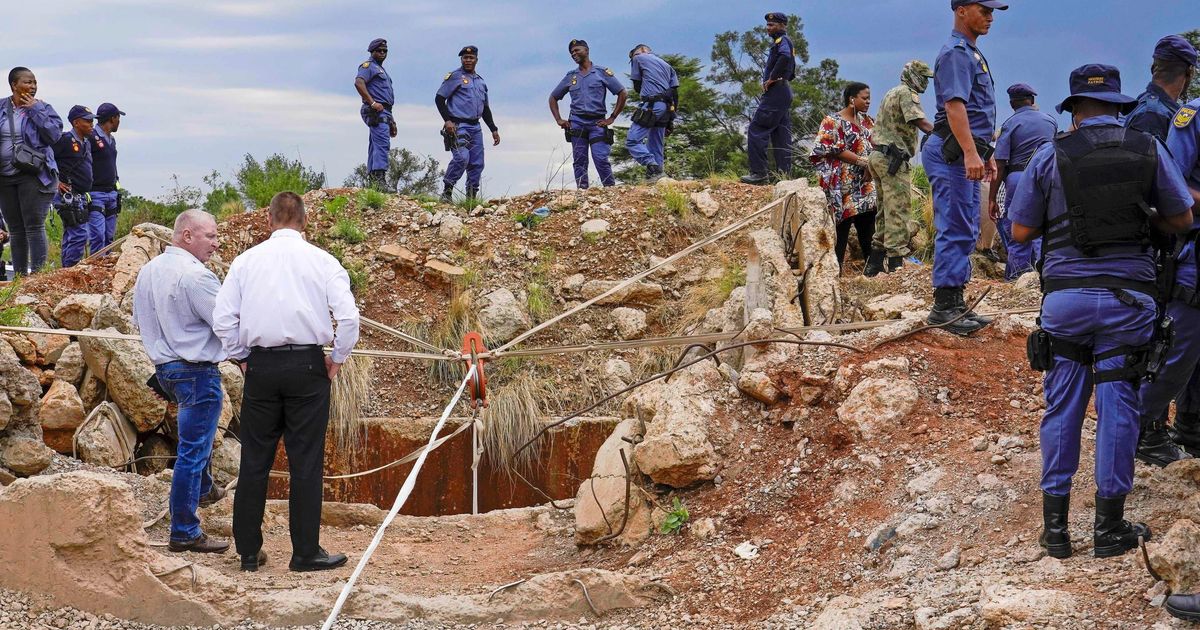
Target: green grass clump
676, 202
348, 230
359, 276
335, 206
539, 300
11, 314
371, 198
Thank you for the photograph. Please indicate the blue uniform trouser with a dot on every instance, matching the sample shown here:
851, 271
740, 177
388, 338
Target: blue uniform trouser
1176, 379
197, 387
1021, 256
106, 204
380, 140
467, 157
955, 216
592, 139
1096, 317
772, 122
79, 239
646, 144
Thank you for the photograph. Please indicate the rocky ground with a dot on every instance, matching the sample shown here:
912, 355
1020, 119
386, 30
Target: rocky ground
891, 485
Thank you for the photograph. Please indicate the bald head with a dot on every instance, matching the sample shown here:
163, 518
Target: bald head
196, 232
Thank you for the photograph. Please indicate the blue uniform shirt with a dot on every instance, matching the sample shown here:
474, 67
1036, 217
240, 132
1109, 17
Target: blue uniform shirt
104, 160
1040, 198
657, 76
466, 94
74, 157
961, 72
379, 83
781, 60
1023, 133
1153, 113
589, 91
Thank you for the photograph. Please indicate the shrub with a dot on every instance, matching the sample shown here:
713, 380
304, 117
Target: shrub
676, 202
348, 230
335, 206
259, 182
371, 198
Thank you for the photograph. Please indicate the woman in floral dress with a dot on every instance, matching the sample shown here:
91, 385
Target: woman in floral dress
840, 157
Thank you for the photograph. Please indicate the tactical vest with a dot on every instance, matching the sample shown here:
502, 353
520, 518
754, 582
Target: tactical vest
1107, 173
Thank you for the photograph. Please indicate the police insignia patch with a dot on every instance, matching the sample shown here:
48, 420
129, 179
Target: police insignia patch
1184, 117
916, 98
366, 64
778, 39
448, 76
465, 81
608, 71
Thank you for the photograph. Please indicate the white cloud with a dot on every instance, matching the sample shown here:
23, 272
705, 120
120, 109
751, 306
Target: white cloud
232, 42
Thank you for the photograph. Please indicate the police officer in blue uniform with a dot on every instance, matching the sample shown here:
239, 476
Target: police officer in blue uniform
106, 184
657, 86
73, 154
957, 157
1172, 70
462, 100
773, 119
1020, 136
589, 124
374, 86
1086, 193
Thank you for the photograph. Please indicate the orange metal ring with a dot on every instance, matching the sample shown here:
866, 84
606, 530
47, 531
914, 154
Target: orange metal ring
477, 386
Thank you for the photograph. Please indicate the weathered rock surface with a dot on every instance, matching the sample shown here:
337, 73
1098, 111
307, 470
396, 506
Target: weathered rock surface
705, 203
1004, 604
61, 413
23, 393
504, 316
142, 244
812, 230
631, 322
636, 293
107, 438
75, 312
595, 227
891, 306
1176, 556
600, 502
125, 368
678, 449
24, 456
70, 365
876, 403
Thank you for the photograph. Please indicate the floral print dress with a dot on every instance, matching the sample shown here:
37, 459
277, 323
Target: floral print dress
849, 188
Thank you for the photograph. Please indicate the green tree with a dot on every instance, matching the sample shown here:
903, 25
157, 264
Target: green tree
258, 182
1193, 90
407, 173
222, 199
737, 62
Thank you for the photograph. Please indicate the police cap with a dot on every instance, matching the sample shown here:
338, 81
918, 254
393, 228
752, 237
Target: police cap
107, 110
1175, 48
776, 17
991, 4
79, 111
468, 50
1020, 91
577, 42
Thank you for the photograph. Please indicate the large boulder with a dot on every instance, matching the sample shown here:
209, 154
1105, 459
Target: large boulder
1176, 556
70, 366
61, 413
636, 293
23, 393
106, 437
678, 447
75, 312
226, 461
144, 242
876, 403
110, 314
124, 367
600, 505
6, 411
807, 223
233, 381
24, 456
504, 317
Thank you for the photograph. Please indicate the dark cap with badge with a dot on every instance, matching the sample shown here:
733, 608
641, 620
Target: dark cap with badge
577, 42
1020, 90
468, 50
1175, 48
378, 42
1099, 82
991, 4
107, 110
79, 111
777, 17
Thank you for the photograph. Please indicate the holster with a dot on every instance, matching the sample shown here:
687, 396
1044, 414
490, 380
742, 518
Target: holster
372, 117
897, 158
449, 140
644, 116
610, 135
1160, 345
952, 151
71, 215
1039, 351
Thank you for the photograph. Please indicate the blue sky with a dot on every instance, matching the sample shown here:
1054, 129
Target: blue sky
205, 82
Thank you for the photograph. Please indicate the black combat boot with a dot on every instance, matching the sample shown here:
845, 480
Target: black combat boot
874, 263
894, 263
654, 173
1113, 534
1186, 432
1155, 446
1183, 606
472, 193
377, 180
962, 303
947, 305
1055, 537
447, 194
758, 179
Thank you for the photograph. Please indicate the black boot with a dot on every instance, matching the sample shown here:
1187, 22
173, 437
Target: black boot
472, 193
377, 180
447, 194
758, 179
894, 263
874, 263
1183, 606
962, 303
1186, 432
947, 305
654, 173
1055, 537
1113, 534
1155, 446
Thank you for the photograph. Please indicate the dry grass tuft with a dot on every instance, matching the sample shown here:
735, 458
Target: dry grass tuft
710, 294
351, 390
460, 318
513, 416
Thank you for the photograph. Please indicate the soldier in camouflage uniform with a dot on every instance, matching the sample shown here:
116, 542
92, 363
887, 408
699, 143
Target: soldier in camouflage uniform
895, 139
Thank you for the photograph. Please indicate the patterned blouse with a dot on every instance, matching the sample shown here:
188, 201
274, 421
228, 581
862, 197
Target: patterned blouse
849, 188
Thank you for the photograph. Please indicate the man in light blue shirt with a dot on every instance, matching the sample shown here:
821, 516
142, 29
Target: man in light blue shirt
173, 303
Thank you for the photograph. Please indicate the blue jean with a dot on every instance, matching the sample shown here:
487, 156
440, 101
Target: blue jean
955, 216
1021, 256
468, 157
646, 144
197, 388
1092, 316
591, 140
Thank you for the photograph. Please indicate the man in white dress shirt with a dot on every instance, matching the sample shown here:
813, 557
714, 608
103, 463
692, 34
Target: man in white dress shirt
173, 306
273, 317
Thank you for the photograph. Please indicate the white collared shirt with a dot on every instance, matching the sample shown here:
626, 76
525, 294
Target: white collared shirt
283, 291
173, 308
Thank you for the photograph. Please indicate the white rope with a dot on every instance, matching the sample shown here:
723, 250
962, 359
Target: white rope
405, 490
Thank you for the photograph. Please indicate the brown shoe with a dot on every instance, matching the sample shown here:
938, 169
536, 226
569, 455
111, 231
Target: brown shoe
202, 544
216, 494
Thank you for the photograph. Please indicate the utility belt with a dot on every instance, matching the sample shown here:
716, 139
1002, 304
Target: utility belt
464, 121
608, 137
290, 347
644, 115
373, 117
896, 156
952, 151
1142, 363
72, 209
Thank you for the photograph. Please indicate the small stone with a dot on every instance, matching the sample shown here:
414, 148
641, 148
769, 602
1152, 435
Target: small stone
949, 560
597, 227
980, 443
999, 459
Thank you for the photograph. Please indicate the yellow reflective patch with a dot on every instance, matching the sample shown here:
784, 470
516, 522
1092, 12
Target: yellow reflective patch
1185, 117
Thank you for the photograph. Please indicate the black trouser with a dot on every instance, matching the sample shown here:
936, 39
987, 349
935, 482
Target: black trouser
286, 393
864, 225
25, 206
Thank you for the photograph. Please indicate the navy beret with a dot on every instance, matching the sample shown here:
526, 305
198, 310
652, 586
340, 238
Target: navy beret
1020, 90
991, 4
468, 50
1175, 48
376, 43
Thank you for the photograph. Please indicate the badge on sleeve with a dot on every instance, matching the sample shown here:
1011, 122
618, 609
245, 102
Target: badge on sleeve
916, 98
575, 79
366, 64
778, 39
447, 76
1184, 117
608, 71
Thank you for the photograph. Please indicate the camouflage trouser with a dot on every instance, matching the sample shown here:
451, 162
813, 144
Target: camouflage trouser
891, 222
